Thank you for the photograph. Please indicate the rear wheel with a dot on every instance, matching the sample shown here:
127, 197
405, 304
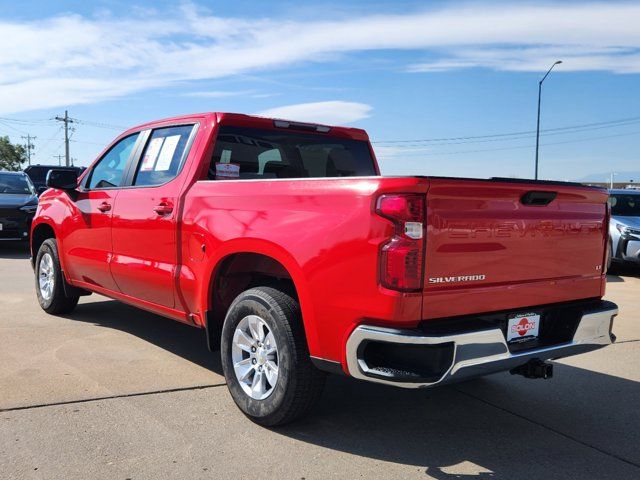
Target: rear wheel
266, 360
49, 286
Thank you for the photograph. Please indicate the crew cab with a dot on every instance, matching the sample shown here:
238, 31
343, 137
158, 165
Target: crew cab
282, 241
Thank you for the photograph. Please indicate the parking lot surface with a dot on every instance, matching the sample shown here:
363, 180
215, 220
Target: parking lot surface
116, 393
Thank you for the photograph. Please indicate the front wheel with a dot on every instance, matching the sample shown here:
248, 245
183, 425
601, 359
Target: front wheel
266, 360
49, 286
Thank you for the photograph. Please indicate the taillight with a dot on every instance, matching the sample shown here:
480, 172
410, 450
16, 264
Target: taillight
402, 256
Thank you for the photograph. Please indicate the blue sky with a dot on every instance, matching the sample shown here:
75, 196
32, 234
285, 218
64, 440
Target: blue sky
404, 71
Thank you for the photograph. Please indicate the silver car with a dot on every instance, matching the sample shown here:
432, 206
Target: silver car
624, 229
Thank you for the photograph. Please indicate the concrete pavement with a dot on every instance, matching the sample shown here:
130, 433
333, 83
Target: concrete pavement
114, 392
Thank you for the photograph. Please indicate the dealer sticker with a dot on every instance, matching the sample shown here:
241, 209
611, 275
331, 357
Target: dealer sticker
227, 170
523, 327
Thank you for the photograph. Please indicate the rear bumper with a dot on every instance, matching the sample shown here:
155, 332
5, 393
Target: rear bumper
466, 355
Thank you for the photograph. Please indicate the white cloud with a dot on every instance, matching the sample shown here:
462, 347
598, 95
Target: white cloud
331, 112
538, 59
71, 59
220, 93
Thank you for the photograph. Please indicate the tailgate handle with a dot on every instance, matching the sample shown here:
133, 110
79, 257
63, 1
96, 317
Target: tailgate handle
538, 198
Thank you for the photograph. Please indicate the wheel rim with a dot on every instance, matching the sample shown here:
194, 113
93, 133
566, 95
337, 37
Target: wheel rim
254, 353
46, 276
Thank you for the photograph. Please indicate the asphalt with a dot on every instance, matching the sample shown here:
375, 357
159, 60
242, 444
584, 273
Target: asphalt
111, 392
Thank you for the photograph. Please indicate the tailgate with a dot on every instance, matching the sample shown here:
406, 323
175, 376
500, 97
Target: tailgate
494, 245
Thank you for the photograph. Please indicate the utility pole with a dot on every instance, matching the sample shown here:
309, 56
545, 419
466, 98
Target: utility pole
30, 145
66, 121
59, 157
538, 127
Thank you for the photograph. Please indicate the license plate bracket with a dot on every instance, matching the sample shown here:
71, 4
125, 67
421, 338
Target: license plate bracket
523, 327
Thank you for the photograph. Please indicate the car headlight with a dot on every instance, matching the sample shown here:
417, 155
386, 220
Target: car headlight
29, 208
623, 229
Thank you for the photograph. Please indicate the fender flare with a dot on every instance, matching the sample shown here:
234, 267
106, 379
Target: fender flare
278, 254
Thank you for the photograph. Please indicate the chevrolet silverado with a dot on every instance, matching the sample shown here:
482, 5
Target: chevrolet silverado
282, 241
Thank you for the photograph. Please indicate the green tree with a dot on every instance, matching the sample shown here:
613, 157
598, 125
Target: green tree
11, 156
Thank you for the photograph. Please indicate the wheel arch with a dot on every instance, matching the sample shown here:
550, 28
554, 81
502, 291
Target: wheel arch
241, 269
39, 233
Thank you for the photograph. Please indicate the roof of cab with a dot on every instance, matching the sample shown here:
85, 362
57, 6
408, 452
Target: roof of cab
251, 121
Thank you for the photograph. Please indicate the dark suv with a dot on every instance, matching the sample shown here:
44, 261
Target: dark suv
38, 174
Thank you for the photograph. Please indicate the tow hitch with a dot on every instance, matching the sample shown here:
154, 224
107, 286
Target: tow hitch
534, 369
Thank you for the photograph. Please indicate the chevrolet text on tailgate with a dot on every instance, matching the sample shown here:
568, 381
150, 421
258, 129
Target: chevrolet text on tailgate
285, 245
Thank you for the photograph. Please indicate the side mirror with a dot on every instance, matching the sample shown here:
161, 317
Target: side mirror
40, 190
62, 179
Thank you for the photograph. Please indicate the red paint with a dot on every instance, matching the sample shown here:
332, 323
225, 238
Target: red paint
328, 237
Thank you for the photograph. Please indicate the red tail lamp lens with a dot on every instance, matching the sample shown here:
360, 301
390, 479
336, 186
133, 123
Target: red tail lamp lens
402, 257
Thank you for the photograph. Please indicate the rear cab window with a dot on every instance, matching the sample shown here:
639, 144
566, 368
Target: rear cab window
249, 153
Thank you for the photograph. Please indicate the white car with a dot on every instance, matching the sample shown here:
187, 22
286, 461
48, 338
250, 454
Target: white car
624, 228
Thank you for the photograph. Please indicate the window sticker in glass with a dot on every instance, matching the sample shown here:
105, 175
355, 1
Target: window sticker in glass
151, 155
166, 153
226, 171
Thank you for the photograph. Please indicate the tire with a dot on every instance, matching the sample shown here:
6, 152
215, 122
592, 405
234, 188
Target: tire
49, 286
298, 383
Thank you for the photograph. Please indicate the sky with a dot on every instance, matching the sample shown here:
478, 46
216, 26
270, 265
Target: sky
443, 88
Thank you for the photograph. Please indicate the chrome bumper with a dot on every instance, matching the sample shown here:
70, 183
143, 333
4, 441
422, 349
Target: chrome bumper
477, 353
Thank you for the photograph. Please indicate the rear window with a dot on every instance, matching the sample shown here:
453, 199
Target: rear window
247, 153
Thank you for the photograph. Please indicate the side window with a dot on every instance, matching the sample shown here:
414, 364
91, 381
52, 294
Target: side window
163, 155
109, 171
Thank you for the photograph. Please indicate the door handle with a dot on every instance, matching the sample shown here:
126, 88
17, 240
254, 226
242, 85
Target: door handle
163, 208
104, 207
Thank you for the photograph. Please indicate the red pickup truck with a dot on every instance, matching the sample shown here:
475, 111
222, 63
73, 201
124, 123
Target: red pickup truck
285, 245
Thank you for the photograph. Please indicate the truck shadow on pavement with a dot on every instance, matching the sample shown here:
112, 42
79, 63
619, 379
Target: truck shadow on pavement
497, 427
618, 272
580, 424
14, 250
175, 337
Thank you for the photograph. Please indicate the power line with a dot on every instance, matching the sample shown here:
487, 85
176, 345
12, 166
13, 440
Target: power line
507, 148
46, 143
12, 127
509, 139
100, 125
88, 142
26, 122
612, 123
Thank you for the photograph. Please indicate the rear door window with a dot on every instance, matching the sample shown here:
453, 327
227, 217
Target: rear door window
163, 155
247, 153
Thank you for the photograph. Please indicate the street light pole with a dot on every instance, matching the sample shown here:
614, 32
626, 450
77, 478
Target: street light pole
538, 126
